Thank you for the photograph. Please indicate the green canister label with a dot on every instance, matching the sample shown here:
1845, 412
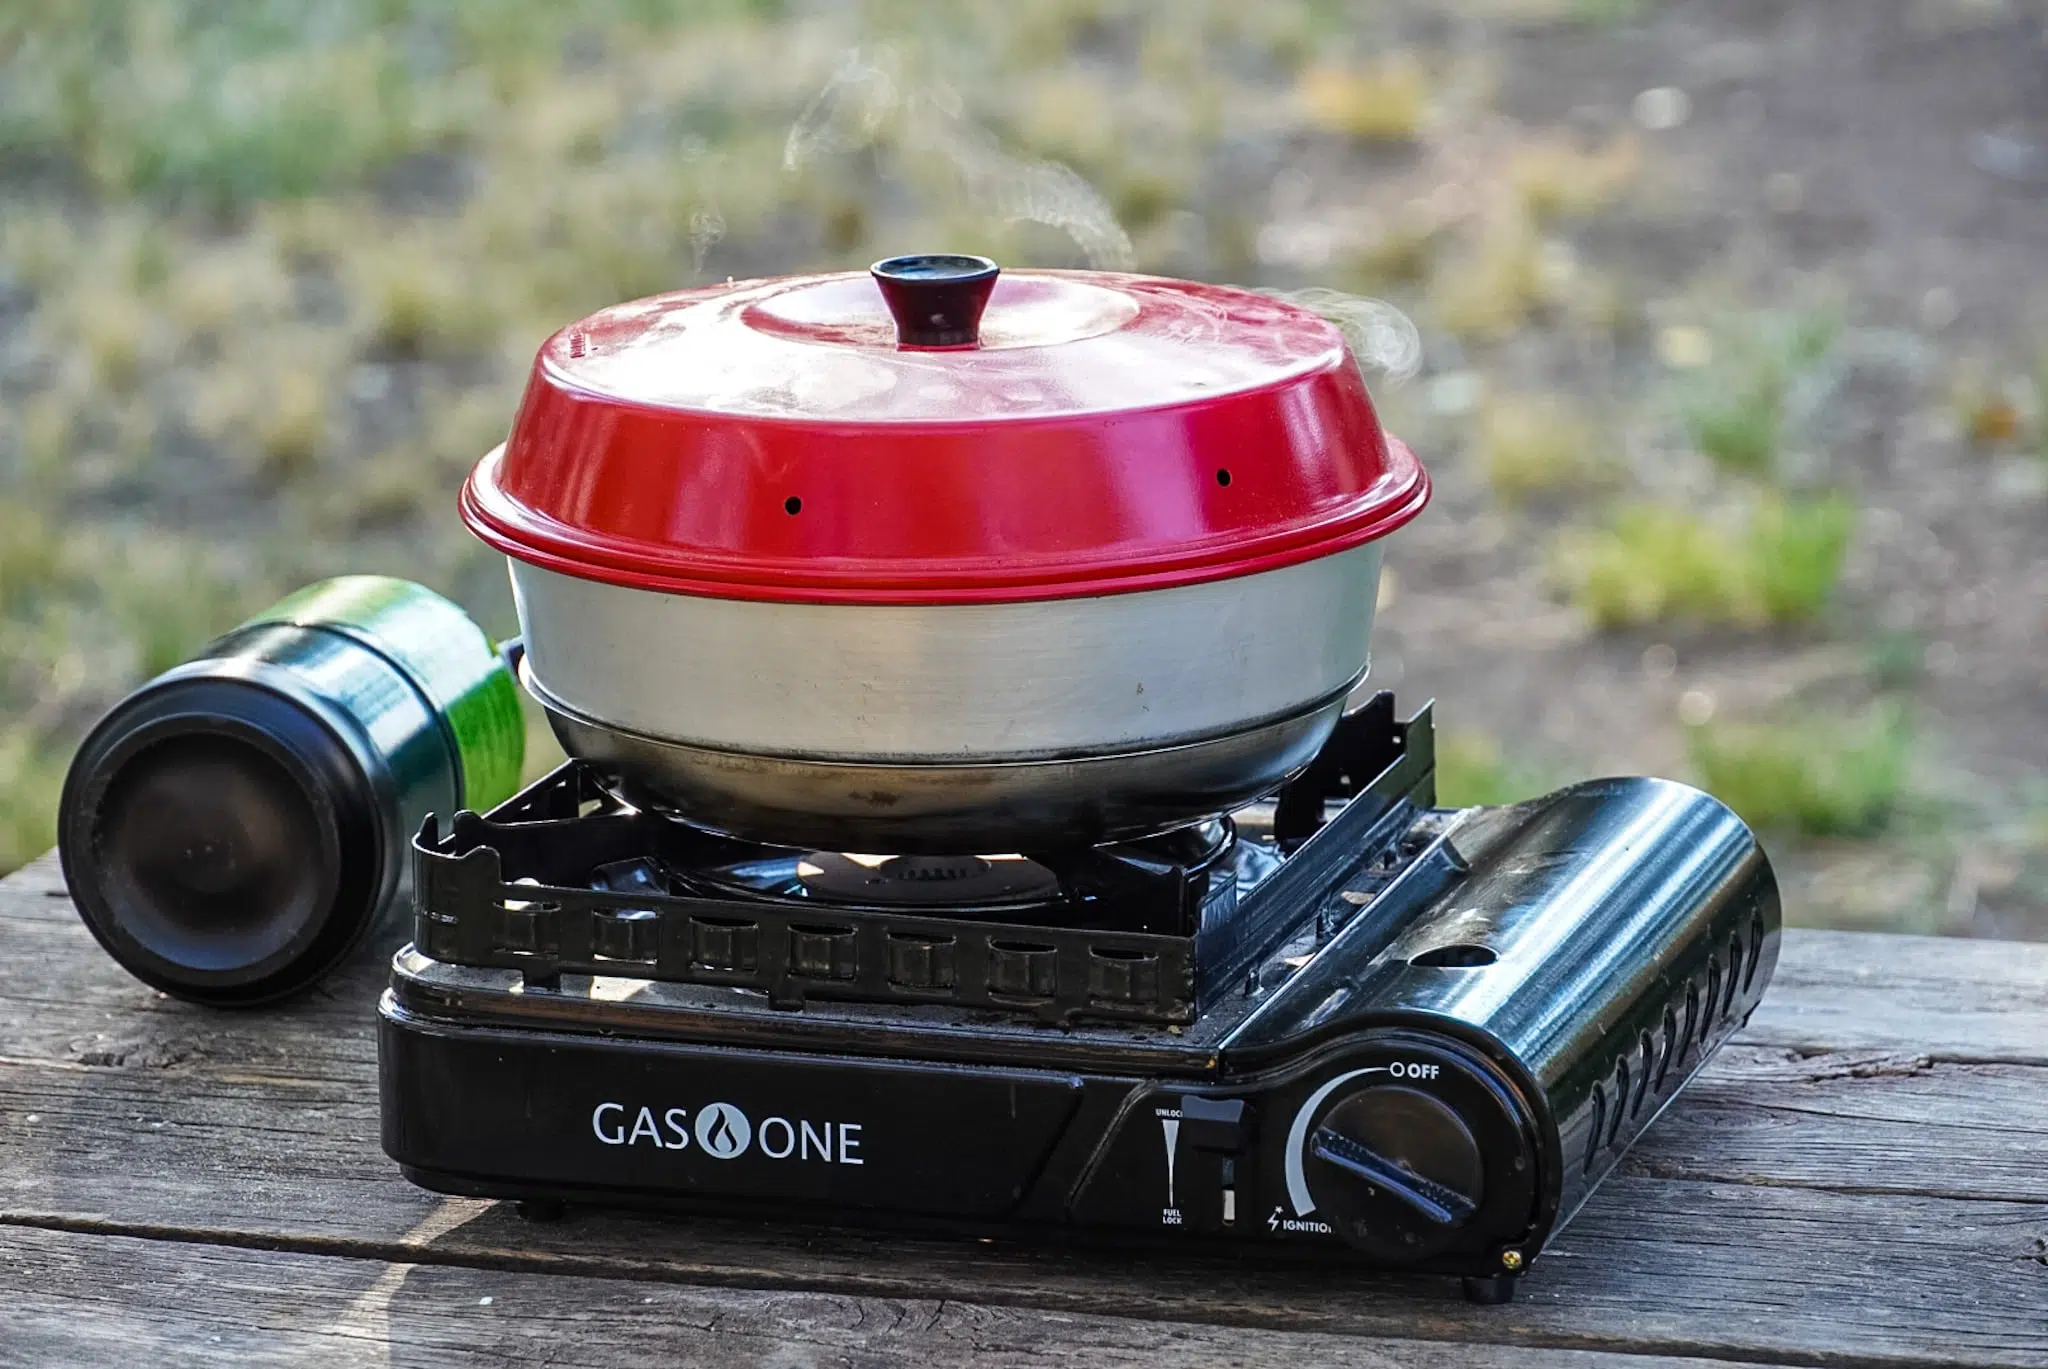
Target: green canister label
444, 653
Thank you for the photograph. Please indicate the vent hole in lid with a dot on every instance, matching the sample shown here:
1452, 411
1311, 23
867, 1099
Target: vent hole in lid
1463, 955
792, 506
1223, 476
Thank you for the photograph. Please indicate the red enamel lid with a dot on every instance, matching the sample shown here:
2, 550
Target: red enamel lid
791, 440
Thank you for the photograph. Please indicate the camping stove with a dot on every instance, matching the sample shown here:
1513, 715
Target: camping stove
1343, 1024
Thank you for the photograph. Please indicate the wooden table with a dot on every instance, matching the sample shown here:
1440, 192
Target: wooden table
1862, 1179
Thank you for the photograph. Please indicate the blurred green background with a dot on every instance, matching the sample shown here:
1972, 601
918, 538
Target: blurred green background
1732, 324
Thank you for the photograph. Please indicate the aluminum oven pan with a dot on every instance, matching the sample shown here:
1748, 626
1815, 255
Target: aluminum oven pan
946, 808
951, 683
901, 727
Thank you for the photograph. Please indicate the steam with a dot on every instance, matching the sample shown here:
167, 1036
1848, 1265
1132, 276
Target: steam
707, 227
866, 104
846, 115
863, 105
1382, 338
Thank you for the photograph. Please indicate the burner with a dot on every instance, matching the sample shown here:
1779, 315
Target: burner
960, 884
926, 881
588, 883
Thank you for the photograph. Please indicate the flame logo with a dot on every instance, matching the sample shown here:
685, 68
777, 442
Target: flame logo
723, 1130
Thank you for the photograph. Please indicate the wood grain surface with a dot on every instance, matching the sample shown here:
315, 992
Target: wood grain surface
1861, 1179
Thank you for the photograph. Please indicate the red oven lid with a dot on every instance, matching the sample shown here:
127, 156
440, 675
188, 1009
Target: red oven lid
792, 440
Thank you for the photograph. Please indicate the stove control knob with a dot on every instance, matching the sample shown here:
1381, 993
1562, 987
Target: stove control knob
1396, 1171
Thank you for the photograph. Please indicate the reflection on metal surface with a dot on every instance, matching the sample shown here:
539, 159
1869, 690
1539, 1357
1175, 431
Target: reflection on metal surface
1565, 932
914, 808
958, 683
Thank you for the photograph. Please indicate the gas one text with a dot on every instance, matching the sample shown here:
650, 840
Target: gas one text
724, 1132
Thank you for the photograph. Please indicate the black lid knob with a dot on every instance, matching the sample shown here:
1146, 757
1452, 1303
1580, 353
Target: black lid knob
936, 298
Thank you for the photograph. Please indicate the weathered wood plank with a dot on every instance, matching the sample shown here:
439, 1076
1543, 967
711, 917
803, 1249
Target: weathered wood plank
79, 1301
1879, 1201
1857, 1121
1662, 1267
1942, 997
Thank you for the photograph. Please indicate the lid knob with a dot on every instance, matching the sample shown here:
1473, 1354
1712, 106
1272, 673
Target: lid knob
936, 298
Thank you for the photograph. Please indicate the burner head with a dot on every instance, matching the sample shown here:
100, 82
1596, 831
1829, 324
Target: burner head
926, 881
992, 884
1142, 879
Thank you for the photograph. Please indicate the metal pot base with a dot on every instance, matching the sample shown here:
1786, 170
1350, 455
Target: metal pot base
938, 808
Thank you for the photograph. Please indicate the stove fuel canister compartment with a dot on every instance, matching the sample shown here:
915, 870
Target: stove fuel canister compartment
652, 1117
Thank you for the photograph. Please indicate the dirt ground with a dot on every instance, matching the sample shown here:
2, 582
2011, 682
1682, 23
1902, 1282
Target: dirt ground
1874, 109
1584, 205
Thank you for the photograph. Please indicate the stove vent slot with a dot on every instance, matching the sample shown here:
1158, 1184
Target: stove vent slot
1756, 950
1620, 1102
527, 929
1118, 976
1598, 1129
728, 945
823, 952
1734, 974
1022, 969
627, 935
920, 962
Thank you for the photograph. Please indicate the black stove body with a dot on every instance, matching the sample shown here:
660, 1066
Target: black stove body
1344, 1025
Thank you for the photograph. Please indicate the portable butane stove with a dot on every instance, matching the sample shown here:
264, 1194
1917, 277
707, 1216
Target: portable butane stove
1343, 1024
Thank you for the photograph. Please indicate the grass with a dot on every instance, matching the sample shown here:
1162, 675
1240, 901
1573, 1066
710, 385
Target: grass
1490, 289
1382, 101
271, 275
1816, 776
1571, 11
1536, 444
1653, 562
1402, 253
168, 597
1794, 556
1472, 769
31, 557
219, 106
1559, 178
2040, 398
31, 776
1735, 408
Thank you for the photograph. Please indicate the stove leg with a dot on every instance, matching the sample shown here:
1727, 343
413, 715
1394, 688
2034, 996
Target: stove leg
1492, 1290
539, 1209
